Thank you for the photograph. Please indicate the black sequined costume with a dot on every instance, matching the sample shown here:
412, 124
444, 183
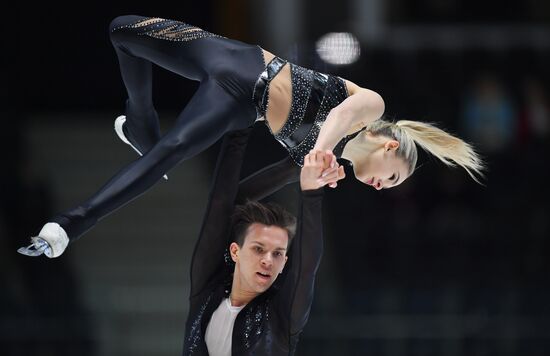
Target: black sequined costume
314, 94
232, 94
271, 323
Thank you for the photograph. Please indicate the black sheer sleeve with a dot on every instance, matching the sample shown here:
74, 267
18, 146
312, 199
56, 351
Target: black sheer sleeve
268, 180
208, 256
295, 296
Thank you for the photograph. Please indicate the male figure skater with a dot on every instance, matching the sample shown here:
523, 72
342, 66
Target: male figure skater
250, 292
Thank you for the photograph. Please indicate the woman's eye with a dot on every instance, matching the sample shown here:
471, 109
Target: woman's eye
392, 177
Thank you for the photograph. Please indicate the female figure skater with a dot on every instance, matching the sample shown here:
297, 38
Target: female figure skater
240, 83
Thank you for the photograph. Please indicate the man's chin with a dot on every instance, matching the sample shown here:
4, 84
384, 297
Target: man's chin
264, 281
260, 288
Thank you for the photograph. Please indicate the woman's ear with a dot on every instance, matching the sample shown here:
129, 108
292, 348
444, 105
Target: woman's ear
391, 145
234, 251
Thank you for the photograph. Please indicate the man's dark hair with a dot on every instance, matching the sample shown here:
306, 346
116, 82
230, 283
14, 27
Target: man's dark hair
267, 214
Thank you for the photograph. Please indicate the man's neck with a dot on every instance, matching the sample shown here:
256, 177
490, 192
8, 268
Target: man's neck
240, 297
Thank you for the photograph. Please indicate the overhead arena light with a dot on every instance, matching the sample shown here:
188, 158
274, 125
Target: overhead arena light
338, 48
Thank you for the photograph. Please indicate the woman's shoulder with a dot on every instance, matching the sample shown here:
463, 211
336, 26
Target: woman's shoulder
371, 95
352, 87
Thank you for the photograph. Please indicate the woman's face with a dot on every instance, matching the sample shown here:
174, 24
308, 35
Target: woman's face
382, 169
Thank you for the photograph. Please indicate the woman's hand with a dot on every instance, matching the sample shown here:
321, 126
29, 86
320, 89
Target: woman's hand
320, 168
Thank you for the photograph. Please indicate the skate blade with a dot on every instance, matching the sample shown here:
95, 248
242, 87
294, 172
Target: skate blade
37, 248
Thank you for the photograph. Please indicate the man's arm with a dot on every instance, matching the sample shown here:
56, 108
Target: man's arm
274, 177
208, 256
268, 180
213, 238
296, 294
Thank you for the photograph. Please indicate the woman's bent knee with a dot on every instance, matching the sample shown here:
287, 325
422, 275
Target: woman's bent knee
119, 23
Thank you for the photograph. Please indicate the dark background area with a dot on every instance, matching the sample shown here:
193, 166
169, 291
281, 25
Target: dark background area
438, 266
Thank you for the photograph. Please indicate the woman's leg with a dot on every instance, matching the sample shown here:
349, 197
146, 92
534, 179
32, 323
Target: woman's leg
140, 41
227, 70
141, 127
210, 113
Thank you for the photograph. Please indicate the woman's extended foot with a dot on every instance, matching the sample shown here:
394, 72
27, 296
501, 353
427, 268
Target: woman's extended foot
52, 240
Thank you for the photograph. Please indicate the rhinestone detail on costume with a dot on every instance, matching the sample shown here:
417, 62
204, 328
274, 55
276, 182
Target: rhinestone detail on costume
253, 325
334, 92
301, 89
195, 334
170, 30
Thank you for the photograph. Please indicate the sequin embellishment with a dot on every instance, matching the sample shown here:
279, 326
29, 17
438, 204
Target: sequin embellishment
316, 94
195, 332
170, 30
302, 80
254, 319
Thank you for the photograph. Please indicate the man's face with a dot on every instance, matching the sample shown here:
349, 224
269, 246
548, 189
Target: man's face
260, 259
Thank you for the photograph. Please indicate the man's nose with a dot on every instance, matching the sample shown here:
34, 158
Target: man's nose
266, 260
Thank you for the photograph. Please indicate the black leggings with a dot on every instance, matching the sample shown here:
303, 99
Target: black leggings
227, 71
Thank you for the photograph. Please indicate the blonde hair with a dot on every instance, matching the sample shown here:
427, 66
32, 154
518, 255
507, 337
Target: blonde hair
449, 149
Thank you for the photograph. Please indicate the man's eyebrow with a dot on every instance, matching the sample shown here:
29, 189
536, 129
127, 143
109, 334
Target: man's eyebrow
263, 245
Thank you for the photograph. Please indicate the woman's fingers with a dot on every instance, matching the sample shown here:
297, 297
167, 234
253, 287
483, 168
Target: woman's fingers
312, 171
337, 172
332, 159
331, 176
326, 169
311, 158
320, 158
341, 173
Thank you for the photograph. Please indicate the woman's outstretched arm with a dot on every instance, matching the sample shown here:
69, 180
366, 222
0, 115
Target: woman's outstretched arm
362, 107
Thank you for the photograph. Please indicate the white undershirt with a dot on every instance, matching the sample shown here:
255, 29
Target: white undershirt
220, 329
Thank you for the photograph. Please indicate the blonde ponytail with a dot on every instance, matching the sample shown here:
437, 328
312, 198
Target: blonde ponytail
449, 149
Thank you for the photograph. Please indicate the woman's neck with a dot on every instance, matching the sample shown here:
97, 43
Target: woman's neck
358, 148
